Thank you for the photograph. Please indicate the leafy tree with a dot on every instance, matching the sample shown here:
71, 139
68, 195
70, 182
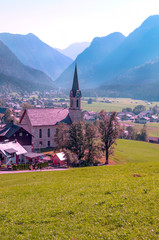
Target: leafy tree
143, 135
77, 139
8, 117
92, 144
90, 101
26, 106
109, 130
131, 133
155, 109
127, 109
61, 136
72, 159
138, 109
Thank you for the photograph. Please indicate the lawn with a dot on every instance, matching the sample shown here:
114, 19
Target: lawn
117, 104
107, 202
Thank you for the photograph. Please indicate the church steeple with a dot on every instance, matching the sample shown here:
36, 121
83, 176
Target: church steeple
75, 99
75, 85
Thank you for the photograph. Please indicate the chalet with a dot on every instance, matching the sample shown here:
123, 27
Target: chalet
11, 153
41, 123
13, 132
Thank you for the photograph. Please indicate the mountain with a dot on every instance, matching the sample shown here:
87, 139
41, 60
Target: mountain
129, 69
140, 82
31, 51
139, 47
15, 75
74, 49
91, 57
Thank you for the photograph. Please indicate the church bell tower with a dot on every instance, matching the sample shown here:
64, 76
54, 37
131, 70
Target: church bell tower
75, 100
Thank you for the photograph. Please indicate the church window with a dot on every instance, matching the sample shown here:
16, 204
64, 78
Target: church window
71, 103
40, 133
48, 144
77, 103
48, 132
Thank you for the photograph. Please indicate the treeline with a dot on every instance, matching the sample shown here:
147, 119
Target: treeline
85, 143
132, 134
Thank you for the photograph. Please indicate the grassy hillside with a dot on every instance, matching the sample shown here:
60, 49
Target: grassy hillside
109, 202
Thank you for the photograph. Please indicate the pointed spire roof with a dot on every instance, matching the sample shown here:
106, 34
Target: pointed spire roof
75, 85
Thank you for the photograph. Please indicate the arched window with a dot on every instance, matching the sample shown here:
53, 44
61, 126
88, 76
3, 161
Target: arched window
71, 103
48, 132
40, 133
77, 103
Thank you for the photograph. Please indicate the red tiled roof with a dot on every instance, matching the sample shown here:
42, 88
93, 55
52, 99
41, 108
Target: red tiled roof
48, 116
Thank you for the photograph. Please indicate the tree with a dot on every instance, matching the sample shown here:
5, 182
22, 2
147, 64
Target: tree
61, 136
77, 140
109, 130
131, 133
92, 144
90, 101
143, 135
127, 109
138, 109
8, 117
71, 157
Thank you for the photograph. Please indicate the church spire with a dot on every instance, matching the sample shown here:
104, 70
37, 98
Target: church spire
75, 85
75, 99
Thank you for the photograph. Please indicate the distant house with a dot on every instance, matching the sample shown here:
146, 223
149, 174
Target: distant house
11, 153
142, 120
13, 132
60, 159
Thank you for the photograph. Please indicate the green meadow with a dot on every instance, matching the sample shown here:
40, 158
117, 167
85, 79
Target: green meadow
117, 104
106, 202
152, 128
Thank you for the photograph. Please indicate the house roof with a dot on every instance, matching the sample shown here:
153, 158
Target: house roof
8, 146
33, 155
61, 156
10, 150
47, 116
9, 129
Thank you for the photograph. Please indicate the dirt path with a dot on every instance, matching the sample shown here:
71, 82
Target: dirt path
43, 170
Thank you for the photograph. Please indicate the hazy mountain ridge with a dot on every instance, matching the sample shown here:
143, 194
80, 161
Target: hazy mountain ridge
99, 48
74, 49
31, 51
131, 63
13, 71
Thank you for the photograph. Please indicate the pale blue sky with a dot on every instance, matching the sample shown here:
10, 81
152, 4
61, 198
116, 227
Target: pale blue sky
62, 22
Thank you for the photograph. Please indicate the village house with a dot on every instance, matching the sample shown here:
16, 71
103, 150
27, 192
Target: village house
13, 132
59, 159
11, 153
41, 123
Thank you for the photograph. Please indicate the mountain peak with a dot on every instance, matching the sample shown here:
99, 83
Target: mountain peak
151, 21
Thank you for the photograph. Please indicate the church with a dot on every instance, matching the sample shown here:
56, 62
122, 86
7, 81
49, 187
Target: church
41, 123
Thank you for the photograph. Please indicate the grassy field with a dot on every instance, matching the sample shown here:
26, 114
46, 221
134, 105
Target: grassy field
117, 104
152, 128
107, 202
